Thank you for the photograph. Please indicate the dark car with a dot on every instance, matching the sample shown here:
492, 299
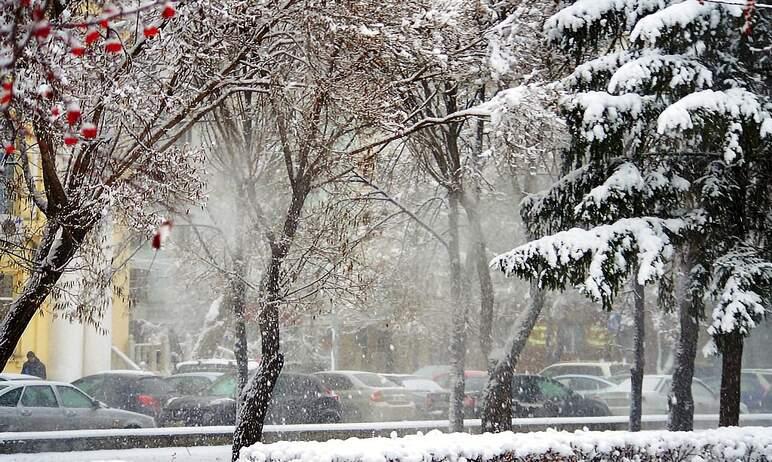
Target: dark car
135, 391
537, 396
297, 399
474, 385
190, 383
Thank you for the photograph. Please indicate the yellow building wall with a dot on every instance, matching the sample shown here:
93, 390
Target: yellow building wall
37, 334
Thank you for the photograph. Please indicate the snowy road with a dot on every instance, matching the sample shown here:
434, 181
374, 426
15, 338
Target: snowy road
192, 454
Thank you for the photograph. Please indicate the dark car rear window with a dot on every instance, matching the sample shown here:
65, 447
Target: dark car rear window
152, 386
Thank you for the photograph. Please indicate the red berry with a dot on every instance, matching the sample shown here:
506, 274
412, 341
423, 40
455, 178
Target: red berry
45, 91
25, 3
104, 23
42, 30
56, 111
9, 149
89, 131
77, 49
5, 98
8, 86
73, 114
150, 31
92, 36
70, 139
168, 11
37, 13
113, 46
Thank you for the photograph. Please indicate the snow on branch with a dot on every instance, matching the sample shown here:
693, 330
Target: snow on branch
583, 21
653, 71
693, 18
742, 286
597, 261
604, 125
739, 109
549, 211
630, 192
595, 74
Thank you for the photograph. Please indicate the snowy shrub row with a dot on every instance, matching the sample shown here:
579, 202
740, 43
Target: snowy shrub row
748, 444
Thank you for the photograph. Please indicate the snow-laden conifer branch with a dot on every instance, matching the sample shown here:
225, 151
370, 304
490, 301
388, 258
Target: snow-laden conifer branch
654, 72
629, 192
683, 22
598, 261
582, 24
742, 286
741, 112
553, 210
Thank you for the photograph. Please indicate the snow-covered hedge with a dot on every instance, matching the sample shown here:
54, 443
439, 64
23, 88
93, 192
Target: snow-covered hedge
727, 444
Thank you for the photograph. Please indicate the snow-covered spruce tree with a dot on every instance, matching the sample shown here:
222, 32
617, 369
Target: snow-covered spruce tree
668, 125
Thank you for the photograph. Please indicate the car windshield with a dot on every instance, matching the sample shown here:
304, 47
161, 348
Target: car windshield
224, 386
421, 384
374, 380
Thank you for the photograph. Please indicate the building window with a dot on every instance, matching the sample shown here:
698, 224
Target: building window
138, 281
6, 293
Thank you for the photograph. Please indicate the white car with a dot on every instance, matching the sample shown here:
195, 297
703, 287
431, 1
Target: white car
656, 389
585, 385
41, 405
595, 368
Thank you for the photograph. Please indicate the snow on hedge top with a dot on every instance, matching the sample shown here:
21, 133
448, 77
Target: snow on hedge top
747, 443
689, 13
607, 251
583, 14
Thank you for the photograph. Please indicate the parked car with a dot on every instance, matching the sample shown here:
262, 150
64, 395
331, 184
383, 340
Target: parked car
7, 376
210, 365
368, 397
432, 372
431, 400
596, 368
190, 383
297, 399
585, 385
656, 389
537, 396
474, 384
135, 391
756, 389
38, 405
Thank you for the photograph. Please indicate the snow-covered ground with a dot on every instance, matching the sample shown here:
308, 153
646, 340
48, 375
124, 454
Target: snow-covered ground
192, 454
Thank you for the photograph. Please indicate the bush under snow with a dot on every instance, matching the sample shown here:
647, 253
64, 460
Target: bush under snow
725, 444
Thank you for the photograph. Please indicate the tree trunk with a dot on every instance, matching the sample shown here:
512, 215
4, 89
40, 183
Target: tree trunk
480, 256
458, 327
639, 362
255, 400
681, 403
497, 397
254, 404
238, 295
57, 247
731, 347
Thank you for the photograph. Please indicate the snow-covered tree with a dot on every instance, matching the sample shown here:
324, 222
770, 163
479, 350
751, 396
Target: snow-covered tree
669, 130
